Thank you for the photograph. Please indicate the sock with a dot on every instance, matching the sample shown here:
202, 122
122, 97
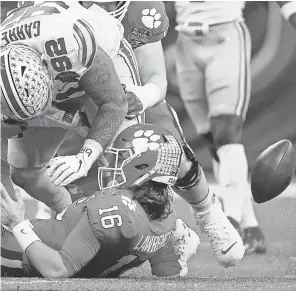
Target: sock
216, 170
248, 217
204, 205
197, 193
233, 178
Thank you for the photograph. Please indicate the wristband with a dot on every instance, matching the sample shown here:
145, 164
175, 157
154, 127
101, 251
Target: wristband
25, 234
91, 150
149, 95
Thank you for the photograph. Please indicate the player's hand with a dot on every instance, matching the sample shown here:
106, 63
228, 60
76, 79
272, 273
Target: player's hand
66, 169
12, 212
135, 105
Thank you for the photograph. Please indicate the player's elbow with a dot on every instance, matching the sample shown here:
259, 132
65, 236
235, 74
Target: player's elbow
60, 272
56, 269
117, 105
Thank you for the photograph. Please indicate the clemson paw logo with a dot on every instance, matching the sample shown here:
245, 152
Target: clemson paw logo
145, 140
150, 18
129, 203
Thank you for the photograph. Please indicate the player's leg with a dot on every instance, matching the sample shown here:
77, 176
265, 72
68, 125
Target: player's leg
169, 261
28, 156
228, 87
192, 186
254, 239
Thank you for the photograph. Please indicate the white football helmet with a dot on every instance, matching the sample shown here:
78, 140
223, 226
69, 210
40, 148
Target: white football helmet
25, 83
140, 153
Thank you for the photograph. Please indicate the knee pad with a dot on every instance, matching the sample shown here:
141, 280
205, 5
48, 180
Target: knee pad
193, 176
226, 129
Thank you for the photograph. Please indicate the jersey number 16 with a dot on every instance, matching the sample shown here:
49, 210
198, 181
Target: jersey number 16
110, 221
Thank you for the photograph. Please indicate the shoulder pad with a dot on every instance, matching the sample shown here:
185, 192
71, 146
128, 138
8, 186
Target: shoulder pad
145, 22
113, 216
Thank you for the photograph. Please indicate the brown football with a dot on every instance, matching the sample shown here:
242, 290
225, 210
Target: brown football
273, 171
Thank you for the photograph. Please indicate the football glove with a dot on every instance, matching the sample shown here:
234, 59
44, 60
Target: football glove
66, 169
135, 106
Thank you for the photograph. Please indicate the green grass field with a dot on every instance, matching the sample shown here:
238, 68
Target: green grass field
275, 270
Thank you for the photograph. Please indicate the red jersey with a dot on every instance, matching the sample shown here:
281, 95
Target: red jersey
103, 235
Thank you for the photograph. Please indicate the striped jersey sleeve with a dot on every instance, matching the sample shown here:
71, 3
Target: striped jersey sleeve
84, 36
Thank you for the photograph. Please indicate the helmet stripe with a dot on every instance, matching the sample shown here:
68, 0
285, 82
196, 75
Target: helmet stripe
8, 94
12, 96
16, 93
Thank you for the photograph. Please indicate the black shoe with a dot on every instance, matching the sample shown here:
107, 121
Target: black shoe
254, 241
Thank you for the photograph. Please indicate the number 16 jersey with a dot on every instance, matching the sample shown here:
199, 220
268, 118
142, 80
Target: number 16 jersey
103, 235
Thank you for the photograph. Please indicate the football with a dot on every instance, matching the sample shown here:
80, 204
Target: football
273, 171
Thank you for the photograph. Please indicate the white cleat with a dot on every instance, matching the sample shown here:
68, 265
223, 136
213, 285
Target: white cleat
225, 241
185, 242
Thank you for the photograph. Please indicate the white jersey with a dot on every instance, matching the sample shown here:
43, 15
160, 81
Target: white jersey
66, 35
210, 12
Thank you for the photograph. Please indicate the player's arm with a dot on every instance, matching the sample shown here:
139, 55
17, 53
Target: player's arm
78, 249
102, 84
288, 9
152, 71
149, 54
151, 64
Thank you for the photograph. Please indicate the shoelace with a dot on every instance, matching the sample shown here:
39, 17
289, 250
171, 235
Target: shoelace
219, 234
217, 228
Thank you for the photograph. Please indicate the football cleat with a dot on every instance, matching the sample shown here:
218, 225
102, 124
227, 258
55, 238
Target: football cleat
225, 241
236, 225
254, 241
185, 242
